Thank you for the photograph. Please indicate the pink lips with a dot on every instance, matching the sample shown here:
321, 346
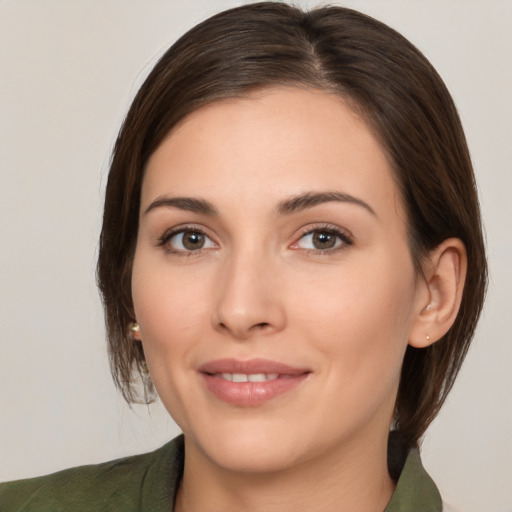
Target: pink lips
250, 383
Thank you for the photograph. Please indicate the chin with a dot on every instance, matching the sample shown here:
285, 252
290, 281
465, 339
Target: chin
252, 457
249, 450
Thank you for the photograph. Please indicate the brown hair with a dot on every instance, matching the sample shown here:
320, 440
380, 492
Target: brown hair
381, 75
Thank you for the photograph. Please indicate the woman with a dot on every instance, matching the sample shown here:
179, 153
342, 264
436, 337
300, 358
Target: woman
292, 255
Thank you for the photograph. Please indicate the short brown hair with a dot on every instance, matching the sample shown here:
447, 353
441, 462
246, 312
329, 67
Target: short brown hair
381, 75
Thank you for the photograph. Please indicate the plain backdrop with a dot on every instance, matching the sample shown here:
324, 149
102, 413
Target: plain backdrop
68, 70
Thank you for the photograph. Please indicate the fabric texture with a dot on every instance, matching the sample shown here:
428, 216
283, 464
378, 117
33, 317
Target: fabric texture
149, 482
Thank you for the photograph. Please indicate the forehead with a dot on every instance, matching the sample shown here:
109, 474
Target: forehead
270, 144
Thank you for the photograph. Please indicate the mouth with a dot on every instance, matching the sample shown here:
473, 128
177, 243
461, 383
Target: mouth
250, 383
247, 377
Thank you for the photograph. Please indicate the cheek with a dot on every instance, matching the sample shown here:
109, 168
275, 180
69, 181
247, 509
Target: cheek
361, 320
170, 310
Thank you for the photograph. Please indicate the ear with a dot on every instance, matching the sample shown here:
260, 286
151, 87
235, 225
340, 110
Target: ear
440, 294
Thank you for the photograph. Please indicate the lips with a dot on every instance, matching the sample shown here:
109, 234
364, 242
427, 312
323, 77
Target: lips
250, 383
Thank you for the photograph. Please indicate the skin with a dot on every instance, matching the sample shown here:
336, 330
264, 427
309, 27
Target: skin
260, 289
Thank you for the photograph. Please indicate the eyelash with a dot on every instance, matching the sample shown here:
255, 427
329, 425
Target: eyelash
345, 239
163, 241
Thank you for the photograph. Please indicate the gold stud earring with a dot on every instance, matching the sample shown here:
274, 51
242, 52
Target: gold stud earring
134, 327
428, 337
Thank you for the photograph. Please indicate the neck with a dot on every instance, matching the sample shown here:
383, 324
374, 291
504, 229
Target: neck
355, 480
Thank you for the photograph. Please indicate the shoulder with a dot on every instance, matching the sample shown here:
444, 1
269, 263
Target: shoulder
140, 482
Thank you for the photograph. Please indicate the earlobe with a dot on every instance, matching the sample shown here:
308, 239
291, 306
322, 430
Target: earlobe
444, 277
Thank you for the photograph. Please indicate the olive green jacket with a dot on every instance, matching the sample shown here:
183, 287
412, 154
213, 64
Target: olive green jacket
148, 483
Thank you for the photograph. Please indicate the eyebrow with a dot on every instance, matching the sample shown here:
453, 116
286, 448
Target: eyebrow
189, 204
310, 199
291, 205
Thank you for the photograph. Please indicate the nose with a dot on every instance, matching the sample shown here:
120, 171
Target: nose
249, 299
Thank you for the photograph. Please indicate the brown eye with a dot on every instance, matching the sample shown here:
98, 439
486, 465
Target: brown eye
324, 240
192, 240
188, 241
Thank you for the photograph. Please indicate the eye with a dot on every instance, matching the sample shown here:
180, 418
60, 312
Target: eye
323, 239
187, 240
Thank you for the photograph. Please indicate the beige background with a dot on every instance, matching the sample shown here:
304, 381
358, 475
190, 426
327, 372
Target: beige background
68, 70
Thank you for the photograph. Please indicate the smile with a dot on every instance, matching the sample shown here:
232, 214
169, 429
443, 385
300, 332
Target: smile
247, 377
250, 383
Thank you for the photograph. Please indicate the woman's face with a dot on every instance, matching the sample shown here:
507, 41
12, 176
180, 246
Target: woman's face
272, 280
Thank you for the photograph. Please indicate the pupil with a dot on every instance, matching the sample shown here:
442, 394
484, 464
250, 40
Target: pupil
193, 240
324, 240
